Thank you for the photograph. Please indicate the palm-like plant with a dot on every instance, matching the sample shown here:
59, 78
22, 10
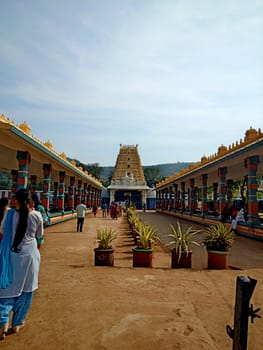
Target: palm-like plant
104, 237
147, 235
181, 238
219, 237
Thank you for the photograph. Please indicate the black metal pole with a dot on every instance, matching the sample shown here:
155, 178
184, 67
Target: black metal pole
244, 290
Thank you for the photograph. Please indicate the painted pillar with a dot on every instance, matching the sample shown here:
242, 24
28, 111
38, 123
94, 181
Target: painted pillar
112, 193
71, 192
23, 162
157, 199
61, 191
172, 198
204, 192
162, 199
46, 185
183, 195
179, 196
222, 171
14, 187
251, 163
229, 195
96, 201
79, 193
84, 198
33, 184
100, 195
176, 200
92, 196
166, 195
215, 188
55, 195
192, 196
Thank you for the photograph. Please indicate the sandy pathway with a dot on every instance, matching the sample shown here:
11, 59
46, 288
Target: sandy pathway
80, 306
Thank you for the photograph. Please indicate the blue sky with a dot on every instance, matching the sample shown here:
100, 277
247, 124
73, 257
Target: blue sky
179, 78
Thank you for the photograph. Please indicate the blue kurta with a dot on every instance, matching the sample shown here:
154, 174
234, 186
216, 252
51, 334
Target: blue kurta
26, 263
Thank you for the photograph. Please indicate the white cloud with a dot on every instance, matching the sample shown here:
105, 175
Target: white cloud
160, 74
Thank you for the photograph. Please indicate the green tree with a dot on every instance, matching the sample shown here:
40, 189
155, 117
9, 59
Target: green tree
152, 175
94, 169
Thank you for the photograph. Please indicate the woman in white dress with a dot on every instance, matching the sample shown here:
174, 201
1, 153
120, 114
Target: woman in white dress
22, 232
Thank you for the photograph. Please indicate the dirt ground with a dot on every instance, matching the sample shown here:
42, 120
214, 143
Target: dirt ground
80, 306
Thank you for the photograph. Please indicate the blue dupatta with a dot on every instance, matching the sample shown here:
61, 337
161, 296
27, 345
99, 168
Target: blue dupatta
6, 268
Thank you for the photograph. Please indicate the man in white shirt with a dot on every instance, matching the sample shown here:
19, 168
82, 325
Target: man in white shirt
81, 212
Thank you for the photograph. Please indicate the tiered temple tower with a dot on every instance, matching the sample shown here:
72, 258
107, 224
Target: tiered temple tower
128, 182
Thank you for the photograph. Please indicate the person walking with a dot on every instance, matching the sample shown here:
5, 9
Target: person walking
94, 209
104, 207
22, 231
81, 213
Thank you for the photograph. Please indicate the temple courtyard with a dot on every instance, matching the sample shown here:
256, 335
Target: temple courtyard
81, 306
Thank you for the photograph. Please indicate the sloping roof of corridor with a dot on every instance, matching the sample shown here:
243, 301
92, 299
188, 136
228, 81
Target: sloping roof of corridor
232, 157
15, 137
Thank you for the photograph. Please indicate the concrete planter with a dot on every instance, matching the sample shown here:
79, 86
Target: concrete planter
142, 257
217, 259
104, 257
184, 262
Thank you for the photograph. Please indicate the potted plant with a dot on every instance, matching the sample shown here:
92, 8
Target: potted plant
104, 253
181, 238
218, 241
142, 253
134, 220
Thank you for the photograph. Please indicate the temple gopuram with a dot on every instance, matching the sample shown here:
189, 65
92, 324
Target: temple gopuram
128, 185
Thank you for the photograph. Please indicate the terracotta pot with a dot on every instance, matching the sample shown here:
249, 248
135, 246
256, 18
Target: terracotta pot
142, 257
104, 257
184, 262
217, 259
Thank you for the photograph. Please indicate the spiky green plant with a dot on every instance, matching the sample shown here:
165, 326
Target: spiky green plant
219, 237
104, 237
181, 238
147, 235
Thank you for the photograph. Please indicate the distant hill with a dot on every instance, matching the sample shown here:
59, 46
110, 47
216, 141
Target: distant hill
166, 170
170, 168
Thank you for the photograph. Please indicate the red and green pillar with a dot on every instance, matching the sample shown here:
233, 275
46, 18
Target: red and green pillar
85, 187
33, 184
251, 163
183, 195
61, 191
23, 163
204, 192
222, 171
79, 193
71, 192
89, 196
193, 202
46, 185
55, 194
175, 188
229, 186
215, 188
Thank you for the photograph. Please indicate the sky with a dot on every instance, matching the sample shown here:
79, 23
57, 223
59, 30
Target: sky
178, 78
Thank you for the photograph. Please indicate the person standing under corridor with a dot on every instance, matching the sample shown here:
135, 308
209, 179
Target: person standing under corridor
81, 213
22, 229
